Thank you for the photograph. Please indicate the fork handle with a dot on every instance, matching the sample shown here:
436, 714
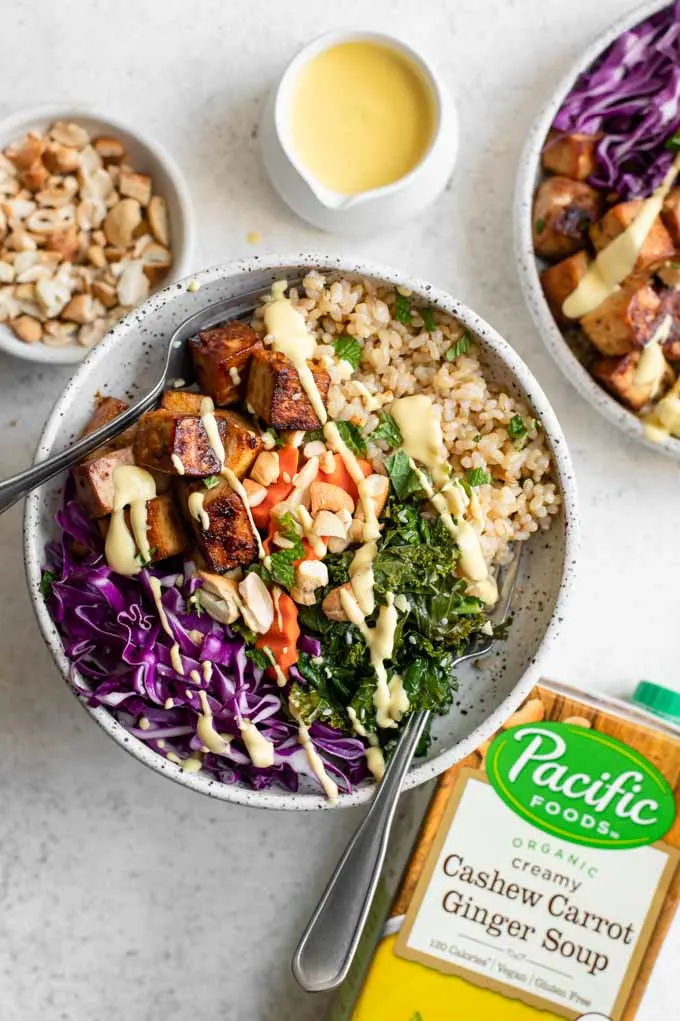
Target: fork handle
327, 948
20, 485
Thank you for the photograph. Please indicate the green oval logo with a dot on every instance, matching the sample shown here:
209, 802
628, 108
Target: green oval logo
580, 785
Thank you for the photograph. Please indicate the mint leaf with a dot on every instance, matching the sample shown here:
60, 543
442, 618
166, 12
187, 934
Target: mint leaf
404, 480
313, 435
427, 315
46, 579
460, 347
540, 226
388, 431
402, 309
348, 349
259, 657
211, 481
280, 569
477, 477
352, 437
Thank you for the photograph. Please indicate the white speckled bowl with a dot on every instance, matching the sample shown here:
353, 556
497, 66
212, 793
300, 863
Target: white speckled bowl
146, 156
529, 266
487, 696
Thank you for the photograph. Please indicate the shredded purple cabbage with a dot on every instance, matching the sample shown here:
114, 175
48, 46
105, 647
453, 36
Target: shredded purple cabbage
120, 658
631, 95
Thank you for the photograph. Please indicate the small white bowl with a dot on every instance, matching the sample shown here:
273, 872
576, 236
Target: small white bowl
146, 156
128, 360
529, 265
378, 209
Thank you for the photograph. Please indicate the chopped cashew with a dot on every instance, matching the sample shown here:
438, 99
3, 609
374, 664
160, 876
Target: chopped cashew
254, 491
258, 605
326, 496
315, 448
309, 576
219, 595
332, 604
326, 523
158, 219
121, 221
266, 468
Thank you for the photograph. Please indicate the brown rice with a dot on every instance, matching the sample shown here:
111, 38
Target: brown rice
401, 359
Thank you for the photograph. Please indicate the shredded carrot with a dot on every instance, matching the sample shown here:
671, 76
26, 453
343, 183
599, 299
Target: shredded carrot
284, 637
342, 478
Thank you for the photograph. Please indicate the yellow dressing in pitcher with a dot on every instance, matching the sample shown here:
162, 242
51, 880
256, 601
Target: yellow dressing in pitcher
362, 116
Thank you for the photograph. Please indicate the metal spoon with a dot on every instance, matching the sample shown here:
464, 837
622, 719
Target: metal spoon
325, 953
177, 366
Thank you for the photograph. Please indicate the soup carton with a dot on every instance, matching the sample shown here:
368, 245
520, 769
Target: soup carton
545, 876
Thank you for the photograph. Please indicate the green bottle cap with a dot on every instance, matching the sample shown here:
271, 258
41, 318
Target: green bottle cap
658, 700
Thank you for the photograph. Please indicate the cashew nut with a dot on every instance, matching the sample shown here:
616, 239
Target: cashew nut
158, 219
121, 221
27, 329
135, 186
326, 496
69, 134
266, 468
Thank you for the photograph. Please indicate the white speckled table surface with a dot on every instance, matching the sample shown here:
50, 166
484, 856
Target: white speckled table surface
122, 895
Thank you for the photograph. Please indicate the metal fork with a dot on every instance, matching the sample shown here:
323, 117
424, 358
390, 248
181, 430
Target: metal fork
177, 366
325, 953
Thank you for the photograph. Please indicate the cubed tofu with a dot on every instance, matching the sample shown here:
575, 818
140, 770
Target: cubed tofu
558, 282
571, 155
276, 395
229, 540
106, 409
621, 378
94, 480
670, 306
658, 245
623, 322
166, 442
242, 443
563, 212
221, 360
181, 402
670, 214
165, 528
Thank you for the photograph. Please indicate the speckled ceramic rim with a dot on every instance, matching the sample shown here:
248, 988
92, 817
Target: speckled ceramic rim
529, 172
22, 121
34, 553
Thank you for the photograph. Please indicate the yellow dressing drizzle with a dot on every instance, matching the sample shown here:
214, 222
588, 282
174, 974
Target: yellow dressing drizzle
371, 529
260, 750
205, 728
197, 510
288, 334
132, 487
617, 260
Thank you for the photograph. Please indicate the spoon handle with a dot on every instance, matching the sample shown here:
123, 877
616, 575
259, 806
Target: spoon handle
20, 485
328, 945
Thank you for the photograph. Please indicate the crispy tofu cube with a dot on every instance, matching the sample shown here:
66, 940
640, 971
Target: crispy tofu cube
162, 434
221, 359
623, 322
107, 408
620, 377
558, 282
670, 214
170, 443
670, 306
181, 402
229, 540
165, 528
276, 395
563, 212
94, 480
571, 155
658, 245
242, 443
